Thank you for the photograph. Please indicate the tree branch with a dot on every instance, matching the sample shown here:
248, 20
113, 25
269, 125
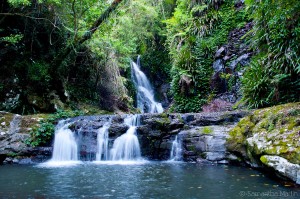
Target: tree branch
58, 60
27, 16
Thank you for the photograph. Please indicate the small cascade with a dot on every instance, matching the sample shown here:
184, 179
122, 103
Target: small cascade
176, 151
102, 143
145, 94
65, 146
127, 147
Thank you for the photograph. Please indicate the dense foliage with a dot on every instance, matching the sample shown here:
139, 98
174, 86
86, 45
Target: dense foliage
36, 36
33, 34
55, 55
195, 31
42, 135
273, 76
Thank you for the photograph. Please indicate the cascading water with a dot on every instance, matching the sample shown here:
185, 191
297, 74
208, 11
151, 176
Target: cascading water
176, 152
127, 147
102, 143
65, 146
145, 94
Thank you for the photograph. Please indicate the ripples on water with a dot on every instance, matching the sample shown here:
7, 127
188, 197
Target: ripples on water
138, 180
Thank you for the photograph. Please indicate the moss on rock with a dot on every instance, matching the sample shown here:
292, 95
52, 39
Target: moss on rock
207, 130
5, 119
269, 131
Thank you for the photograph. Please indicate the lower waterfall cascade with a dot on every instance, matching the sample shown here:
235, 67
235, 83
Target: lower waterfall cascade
102, 143
125, 148
176, 151
65, 146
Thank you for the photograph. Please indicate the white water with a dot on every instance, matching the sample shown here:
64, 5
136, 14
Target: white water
145, 94
125, 150
102, 143
176, 152
65, 151
127, 147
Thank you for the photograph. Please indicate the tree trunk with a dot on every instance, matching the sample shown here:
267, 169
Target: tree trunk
58, 82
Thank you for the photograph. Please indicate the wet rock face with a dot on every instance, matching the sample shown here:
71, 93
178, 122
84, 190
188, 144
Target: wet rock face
229, 62
205, 143
158, 131
156, 134
165, 96
11, 135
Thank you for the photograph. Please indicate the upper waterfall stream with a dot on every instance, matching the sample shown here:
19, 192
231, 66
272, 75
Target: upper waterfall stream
145, 94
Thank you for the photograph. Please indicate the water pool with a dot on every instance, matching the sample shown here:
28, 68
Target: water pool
138, 180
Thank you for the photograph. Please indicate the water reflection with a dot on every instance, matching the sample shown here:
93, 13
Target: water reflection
148, 180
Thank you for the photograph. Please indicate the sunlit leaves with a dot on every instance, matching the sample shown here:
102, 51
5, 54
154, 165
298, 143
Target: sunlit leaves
17, 3
12, 39
127, 30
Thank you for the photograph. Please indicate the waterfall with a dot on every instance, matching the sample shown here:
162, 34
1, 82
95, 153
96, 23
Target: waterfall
102, 143
127, 147
65, 146
145, 94
176, 151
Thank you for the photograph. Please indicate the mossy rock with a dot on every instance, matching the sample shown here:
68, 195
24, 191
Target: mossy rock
207, 130
270, 131
5, 119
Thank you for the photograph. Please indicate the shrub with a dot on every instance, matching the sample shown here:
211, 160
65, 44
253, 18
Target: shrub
276, 35
42, 135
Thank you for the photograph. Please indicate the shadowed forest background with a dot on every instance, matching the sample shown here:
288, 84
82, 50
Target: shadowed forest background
208, 55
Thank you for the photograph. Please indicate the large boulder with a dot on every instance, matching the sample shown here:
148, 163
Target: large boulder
206, 142
282, 167
271, 131
11, 137
14, 131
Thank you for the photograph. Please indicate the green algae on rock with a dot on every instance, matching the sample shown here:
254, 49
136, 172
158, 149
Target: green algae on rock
271, 131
